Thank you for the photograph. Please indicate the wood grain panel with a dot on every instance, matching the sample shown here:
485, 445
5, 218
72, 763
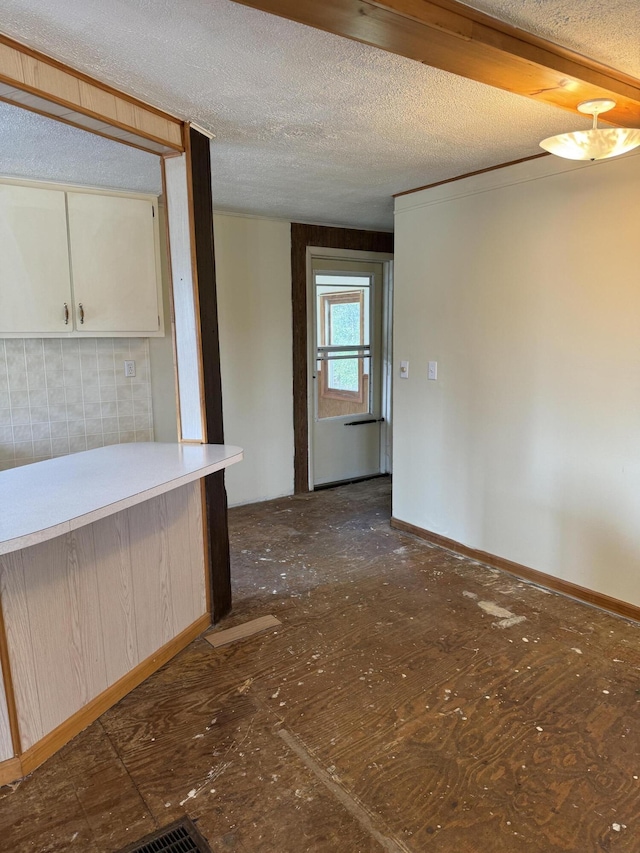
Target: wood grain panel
85, 609
115, 594
66, 640
330, 238
449, 35
86, 634
198, 543
151, 590
39, 74
50, 744
6, 741
181, 549
19, 645
9, 729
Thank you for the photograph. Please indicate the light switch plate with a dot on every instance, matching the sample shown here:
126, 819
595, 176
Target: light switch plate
433, 370
404, 370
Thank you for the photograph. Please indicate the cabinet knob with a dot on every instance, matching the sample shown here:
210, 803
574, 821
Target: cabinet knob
81, 312
66, 314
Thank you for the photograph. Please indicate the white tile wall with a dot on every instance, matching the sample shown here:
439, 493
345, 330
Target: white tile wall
58, 396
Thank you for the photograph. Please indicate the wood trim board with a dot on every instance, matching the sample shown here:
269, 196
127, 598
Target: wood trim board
242, 632
449, 35
45, 78
331, 238
581, 593
10, 771
472, 174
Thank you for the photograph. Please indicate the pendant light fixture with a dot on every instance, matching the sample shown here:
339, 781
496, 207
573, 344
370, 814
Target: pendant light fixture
597, 143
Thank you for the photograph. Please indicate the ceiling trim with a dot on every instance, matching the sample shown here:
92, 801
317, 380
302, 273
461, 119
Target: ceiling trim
32, 80
448, 35
472, 174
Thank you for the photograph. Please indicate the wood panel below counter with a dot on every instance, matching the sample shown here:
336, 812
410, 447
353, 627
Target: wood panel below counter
88, 608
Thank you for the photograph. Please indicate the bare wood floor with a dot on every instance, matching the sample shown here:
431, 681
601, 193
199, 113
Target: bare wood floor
410, 701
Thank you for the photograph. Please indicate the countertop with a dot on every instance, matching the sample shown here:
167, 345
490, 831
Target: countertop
47, 499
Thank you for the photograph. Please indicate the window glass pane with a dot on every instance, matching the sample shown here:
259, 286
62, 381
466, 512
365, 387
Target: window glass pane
344, 374
344, 324
342, 320
331, 302
343, 387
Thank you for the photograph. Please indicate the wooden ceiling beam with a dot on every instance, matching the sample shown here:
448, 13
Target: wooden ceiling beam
455, 38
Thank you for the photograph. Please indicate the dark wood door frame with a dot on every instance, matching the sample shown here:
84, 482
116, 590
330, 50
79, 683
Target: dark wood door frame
303, 236
216, 496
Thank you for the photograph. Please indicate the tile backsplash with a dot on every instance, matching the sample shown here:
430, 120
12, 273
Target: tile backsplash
61, 395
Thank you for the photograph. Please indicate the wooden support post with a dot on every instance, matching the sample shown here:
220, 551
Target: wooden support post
199, 163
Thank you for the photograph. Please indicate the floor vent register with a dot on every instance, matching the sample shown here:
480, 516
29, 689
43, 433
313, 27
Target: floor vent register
179, 837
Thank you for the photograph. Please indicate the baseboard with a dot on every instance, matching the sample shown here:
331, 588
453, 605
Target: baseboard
334, 484
581, 593
10, 771
35, 755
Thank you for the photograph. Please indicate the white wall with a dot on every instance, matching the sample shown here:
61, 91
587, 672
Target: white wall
163, 376
253, 273
524, 285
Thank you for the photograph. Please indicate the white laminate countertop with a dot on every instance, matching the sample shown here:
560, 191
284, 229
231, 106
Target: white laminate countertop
46, 499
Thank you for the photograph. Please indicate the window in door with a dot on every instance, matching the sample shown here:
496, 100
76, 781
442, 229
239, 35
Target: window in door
343, 345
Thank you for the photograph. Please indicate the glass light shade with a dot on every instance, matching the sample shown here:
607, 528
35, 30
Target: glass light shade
595, 144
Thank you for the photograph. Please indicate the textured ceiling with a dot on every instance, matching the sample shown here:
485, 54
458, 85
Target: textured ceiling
310, 126
605, 30
33, 146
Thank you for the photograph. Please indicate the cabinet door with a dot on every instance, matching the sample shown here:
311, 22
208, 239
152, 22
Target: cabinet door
113, 263
34, 261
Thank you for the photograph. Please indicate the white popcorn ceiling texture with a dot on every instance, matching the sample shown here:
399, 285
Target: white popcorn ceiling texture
309, 126
39, 148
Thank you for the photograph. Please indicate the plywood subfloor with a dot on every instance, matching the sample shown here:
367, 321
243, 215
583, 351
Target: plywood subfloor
410, 701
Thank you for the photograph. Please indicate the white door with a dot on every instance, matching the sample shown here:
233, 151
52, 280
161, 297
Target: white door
347, 382
35, 287
113, 262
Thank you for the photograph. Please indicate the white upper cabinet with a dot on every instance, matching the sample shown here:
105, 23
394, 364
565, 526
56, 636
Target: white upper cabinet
75, 263
113, 263
34, 261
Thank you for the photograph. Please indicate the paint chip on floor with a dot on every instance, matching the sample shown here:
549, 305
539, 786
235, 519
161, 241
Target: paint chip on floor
506, 619
240, 632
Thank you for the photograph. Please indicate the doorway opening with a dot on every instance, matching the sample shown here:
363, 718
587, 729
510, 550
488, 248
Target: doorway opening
349, 302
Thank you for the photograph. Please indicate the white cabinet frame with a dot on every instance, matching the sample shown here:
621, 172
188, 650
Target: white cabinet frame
74, 326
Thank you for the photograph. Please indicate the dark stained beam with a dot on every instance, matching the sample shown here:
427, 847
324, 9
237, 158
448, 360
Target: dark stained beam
450, 36
216, 495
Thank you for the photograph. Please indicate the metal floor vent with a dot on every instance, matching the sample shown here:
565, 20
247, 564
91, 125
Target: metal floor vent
179, 837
